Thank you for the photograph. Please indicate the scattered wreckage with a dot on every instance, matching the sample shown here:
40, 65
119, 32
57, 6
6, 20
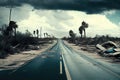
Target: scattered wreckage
109, 48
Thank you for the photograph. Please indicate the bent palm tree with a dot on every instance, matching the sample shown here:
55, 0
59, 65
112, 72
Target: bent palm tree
72, 35
81, 31
82, 28
12, 27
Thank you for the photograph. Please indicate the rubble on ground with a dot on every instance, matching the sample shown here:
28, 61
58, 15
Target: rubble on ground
109, 48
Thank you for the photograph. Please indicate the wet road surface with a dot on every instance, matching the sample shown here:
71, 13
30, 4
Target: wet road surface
63, 63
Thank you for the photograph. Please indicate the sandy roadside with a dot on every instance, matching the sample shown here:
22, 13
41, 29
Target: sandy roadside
16, 60
91, 53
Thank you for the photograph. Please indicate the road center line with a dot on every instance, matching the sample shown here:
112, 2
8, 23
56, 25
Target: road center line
66, 70
60, 67
60, 58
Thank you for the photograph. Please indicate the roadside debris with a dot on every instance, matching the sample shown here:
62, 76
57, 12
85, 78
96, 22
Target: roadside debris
18, 59
108, 48
33, 47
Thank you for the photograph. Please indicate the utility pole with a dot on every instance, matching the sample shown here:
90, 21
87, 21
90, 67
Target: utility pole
40, 32
10, 14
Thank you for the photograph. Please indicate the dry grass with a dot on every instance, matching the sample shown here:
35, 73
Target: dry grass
16, 60
91, 51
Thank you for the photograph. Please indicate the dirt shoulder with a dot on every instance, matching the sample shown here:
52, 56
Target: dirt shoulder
18, 59
91, 51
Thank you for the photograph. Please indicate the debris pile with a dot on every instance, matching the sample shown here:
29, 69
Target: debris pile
109, 48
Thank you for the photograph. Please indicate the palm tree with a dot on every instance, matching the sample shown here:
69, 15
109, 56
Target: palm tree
44, 35
34, 33
15, 31
47, 35
81, 31
37, 32
82, 28
72, 35
12, 27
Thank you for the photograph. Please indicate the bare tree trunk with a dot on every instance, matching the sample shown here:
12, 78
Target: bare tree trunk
15, 33
81, 35
84, 33
44, 35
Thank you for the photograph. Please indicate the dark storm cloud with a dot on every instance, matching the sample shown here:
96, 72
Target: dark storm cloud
89, 6
17, 14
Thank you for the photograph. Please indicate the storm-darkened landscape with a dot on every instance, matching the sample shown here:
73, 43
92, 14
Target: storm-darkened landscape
59, 40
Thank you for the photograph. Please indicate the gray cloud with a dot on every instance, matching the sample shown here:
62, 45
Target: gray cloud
18, 14
3, 13
88, 6
114, 17
55, 17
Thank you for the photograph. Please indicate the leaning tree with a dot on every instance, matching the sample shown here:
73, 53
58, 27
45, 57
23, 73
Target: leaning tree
72, 35
12, 28
82, 28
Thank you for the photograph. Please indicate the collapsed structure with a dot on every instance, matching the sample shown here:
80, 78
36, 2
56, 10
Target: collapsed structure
109, 48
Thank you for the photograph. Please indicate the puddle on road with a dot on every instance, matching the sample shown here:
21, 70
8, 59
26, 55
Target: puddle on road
47, 56
44, 56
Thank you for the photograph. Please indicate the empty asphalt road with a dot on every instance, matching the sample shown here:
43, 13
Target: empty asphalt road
63, 63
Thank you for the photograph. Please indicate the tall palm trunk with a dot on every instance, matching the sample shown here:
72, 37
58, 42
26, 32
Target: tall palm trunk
81, 35
15, 33
84, 33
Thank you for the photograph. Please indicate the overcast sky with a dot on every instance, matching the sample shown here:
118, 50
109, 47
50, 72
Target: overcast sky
57, 17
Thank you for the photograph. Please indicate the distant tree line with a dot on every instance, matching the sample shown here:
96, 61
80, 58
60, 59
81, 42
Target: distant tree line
81, 29
88, 40
12, 41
